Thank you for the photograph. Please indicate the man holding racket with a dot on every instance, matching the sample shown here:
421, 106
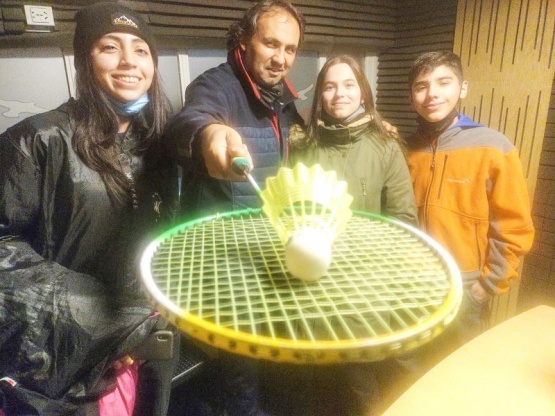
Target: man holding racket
244, 107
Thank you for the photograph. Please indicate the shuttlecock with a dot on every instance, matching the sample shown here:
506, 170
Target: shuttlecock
308, 254
308, 208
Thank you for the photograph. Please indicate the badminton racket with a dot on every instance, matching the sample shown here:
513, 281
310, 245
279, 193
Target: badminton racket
222, 280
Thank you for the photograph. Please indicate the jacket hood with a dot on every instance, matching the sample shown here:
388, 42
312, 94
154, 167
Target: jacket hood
465, 121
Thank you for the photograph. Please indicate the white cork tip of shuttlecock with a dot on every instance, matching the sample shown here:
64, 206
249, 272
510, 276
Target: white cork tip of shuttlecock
308, 254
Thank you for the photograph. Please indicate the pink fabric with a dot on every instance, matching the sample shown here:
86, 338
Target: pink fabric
121, 400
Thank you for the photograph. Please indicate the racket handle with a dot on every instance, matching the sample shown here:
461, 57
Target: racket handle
241, 166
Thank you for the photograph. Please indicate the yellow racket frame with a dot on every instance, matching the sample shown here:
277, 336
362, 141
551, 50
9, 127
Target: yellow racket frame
276, 347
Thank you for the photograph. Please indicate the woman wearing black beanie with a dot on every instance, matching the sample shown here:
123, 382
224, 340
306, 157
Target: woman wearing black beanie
82, 189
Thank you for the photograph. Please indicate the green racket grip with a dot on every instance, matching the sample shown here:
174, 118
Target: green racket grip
241, 166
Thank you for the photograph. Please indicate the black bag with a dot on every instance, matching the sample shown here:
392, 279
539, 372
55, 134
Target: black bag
60, 332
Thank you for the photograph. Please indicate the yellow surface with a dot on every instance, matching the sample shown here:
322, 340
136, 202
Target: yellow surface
509, 370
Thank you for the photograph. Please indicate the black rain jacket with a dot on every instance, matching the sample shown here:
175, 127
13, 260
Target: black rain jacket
70, 297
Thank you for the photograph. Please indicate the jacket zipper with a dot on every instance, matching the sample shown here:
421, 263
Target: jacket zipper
434, 150
363, 184
433, 146
442, 176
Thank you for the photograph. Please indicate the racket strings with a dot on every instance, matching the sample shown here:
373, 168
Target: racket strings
382, 279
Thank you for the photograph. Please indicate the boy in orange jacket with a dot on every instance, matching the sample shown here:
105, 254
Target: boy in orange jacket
470, 192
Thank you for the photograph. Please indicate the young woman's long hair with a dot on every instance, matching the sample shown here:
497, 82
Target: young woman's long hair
96, 128
366, 96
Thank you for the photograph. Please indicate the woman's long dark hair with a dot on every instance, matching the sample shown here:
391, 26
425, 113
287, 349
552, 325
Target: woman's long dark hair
366, 96
96, 128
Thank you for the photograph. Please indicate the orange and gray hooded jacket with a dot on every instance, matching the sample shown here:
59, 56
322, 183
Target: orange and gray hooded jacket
472, 198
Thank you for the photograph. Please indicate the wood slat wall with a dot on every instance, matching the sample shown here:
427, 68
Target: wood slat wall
538, 273
2, 29
507, 52
360, 25
424, 25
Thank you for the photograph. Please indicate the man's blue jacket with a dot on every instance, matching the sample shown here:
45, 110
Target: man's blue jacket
227, 95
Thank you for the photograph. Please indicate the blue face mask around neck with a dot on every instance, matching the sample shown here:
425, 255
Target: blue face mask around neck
129, 108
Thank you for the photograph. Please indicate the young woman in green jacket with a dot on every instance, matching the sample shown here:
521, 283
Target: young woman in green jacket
346, 134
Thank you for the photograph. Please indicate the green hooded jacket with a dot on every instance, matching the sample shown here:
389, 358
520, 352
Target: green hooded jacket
375, 170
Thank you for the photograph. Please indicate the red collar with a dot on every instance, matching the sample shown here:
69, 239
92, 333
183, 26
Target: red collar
238, 58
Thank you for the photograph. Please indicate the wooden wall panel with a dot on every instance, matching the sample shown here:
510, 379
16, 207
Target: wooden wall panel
424, 25
367, 25
507, 53
2, 28
538, 273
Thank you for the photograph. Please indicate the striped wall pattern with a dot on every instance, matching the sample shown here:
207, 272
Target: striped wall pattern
507, 52
424, 25
538, 273
356, 24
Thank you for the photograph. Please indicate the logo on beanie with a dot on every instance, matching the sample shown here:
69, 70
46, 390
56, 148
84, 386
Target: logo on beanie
124, 21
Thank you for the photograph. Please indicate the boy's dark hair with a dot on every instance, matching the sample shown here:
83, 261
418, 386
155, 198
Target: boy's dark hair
429, 61
247, 25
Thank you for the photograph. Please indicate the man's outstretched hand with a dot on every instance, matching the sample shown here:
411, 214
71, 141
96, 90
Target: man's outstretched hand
219, 145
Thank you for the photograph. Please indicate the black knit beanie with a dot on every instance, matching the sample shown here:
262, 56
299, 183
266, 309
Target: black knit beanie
98, 19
